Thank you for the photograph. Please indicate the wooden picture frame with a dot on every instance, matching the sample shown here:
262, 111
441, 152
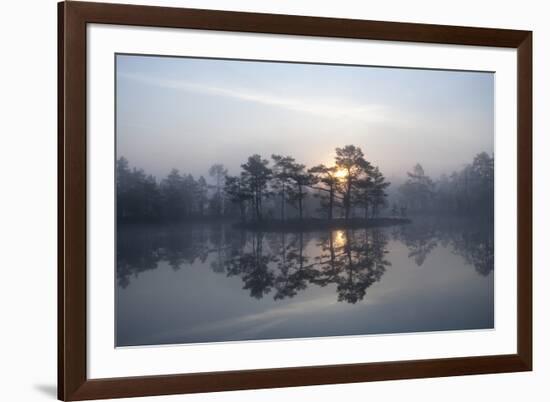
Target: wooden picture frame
73, 382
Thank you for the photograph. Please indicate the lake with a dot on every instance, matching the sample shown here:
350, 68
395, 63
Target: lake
210, 282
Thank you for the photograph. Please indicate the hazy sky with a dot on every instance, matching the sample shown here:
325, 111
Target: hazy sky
189, 113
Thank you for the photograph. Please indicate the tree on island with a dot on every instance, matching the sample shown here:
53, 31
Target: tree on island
370, 191
257, 175
281, 183
329, 180
349, 184
351, 161
301, 179
238, 192
378, 191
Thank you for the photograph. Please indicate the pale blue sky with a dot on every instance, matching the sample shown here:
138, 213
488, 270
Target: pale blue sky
189, 113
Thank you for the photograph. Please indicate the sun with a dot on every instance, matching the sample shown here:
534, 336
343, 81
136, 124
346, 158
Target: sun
341, 174
339, 238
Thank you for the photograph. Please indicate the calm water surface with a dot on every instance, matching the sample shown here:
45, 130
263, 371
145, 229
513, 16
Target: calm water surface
210, 282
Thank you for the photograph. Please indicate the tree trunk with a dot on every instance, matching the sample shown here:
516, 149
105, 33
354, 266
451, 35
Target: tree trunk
258, 205
301, 251
330, 203
346, 207
300, 197
347, 197
242, 211
283, 203
332, 253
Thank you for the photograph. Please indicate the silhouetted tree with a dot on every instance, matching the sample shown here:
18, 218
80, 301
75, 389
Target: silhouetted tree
180, 197
173, 196
327, 177
257, 176
301, 180
378, 194
350, 159
362, 195
238, 191
138, 195
282, 168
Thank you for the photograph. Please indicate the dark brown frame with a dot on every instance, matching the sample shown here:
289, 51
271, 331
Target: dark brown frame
73, 383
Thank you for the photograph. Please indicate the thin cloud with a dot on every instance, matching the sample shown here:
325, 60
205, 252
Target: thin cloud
329, 108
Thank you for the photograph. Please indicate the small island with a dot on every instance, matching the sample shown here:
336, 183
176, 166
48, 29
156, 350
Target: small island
281, 194
276, 194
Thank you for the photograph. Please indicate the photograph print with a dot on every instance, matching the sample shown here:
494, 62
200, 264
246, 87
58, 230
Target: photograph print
260, 200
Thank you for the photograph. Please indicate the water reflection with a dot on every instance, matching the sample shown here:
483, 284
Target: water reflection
472, 241
477, 249
353, 260
280, 265
420, 239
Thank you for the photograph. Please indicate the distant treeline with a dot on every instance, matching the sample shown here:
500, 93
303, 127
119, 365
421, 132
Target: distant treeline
280, 188
468, 191
264, 189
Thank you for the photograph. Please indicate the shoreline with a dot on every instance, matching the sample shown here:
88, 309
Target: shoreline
320, 224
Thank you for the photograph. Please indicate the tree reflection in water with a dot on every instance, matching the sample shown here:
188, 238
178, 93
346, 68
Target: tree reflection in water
140, 248
478, 250
294, 270
472, 241
353, 260
420, 239
283, 264
252, 264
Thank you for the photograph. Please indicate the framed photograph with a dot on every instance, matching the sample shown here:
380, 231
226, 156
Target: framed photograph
253, 200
